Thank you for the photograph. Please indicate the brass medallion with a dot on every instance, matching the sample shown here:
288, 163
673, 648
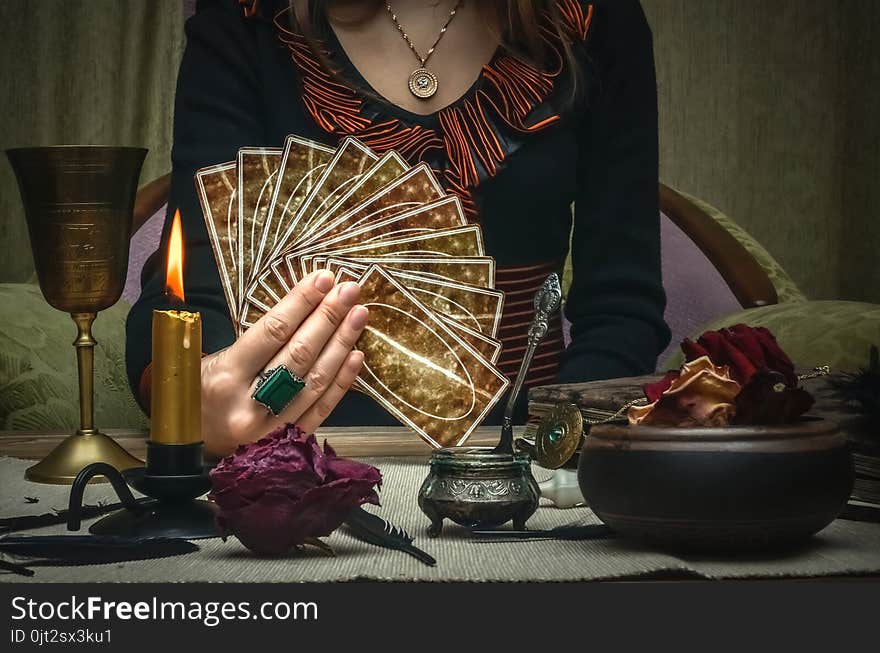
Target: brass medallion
559, 436
422, 83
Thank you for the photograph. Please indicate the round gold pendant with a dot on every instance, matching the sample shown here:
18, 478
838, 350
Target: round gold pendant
423, 83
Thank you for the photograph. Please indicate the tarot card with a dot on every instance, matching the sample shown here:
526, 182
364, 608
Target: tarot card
488, 347
352, 160
413, 188
264, 294
302, 163
271, 280
387, 169
458, 241
445, 213
419, 369
279, 269
473, 271
461, 242
257, 169
464, 242
476, 308
216, 187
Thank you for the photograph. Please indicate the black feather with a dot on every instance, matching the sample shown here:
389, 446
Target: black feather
15, 568
28, 522
862, 388
374, 530
64, 550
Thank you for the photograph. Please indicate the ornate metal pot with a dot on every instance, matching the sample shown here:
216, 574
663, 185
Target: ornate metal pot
477, 488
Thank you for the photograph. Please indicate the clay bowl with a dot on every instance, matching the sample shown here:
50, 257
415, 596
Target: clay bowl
717, 489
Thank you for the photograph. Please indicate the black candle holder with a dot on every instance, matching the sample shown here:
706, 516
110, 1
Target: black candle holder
174, 477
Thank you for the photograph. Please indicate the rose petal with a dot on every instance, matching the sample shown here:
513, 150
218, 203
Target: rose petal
654, 390
292, 482
777, 359
767, 399
342, 468
346, 468
690, 410
323, 509
746, 339
268, 527
692, 350
723, 352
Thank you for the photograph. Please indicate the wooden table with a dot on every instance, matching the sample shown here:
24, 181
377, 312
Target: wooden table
351, 442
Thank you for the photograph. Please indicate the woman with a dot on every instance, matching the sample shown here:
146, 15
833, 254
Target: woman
538, 104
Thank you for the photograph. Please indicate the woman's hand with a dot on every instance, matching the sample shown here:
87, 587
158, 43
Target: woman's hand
312, 331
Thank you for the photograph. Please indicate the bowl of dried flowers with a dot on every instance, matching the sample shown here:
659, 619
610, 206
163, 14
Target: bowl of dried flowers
723, 457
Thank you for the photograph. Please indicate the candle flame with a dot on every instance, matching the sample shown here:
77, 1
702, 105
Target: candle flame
174, 273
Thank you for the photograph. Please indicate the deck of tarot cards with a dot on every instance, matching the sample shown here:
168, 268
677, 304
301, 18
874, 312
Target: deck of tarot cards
276, 214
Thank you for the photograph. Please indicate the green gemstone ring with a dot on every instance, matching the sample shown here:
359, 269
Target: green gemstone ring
277, 388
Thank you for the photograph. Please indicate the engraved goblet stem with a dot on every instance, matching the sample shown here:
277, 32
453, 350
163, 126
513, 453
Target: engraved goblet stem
85, 364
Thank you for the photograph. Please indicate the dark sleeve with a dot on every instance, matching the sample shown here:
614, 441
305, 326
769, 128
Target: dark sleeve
218, 109
616, 300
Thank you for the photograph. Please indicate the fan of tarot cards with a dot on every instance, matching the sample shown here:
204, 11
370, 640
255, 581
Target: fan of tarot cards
276, 214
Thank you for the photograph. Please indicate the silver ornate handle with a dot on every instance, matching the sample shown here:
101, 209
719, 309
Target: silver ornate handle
547, 301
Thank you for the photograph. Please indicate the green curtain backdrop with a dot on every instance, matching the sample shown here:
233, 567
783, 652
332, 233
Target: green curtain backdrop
768, 111
83, 72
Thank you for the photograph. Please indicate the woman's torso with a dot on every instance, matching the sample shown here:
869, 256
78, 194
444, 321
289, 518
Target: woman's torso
505, 146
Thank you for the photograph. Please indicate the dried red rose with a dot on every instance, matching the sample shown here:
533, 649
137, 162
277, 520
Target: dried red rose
282, 490
745, 350
749, 356
701, 395
767, 399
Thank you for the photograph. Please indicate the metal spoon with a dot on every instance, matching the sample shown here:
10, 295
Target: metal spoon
547, 300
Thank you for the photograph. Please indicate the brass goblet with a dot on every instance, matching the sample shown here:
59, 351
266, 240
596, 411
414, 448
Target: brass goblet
78, 203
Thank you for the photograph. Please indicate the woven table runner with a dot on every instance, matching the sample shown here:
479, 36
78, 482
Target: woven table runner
844, 548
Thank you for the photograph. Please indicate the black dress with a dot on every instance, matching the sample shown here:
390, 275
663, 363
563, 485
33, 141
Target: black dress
515, 148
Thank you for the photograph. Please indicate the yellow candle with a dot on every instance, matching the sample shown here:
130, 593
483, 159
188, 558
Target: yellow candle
176, 393
176, 414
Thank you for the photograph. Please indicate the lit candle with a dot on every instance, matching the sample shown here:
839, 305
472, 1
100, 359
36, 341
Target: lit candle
176, 414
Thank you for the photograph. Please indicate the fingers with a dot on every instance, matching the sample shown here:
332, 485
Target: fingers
259, 344
318, 412
323, 372
302, 350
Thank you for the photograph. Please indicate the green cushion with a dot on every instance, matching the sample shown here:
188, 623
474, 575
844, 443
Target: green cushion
786, 288
38, 379
813, 333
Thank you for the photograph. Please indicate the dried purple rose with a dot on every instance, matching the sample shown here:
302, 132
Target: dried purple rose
283, 490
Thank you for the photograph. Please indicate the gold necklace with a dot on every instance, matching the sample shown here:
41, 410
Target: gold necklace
422, 82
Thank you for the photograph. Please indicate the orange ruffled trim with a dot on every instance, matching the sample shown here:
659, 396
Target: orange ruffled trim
513, 90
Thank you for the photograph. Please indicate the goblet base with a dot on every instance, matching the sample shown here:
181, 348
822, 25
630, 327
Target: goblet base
79, 450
